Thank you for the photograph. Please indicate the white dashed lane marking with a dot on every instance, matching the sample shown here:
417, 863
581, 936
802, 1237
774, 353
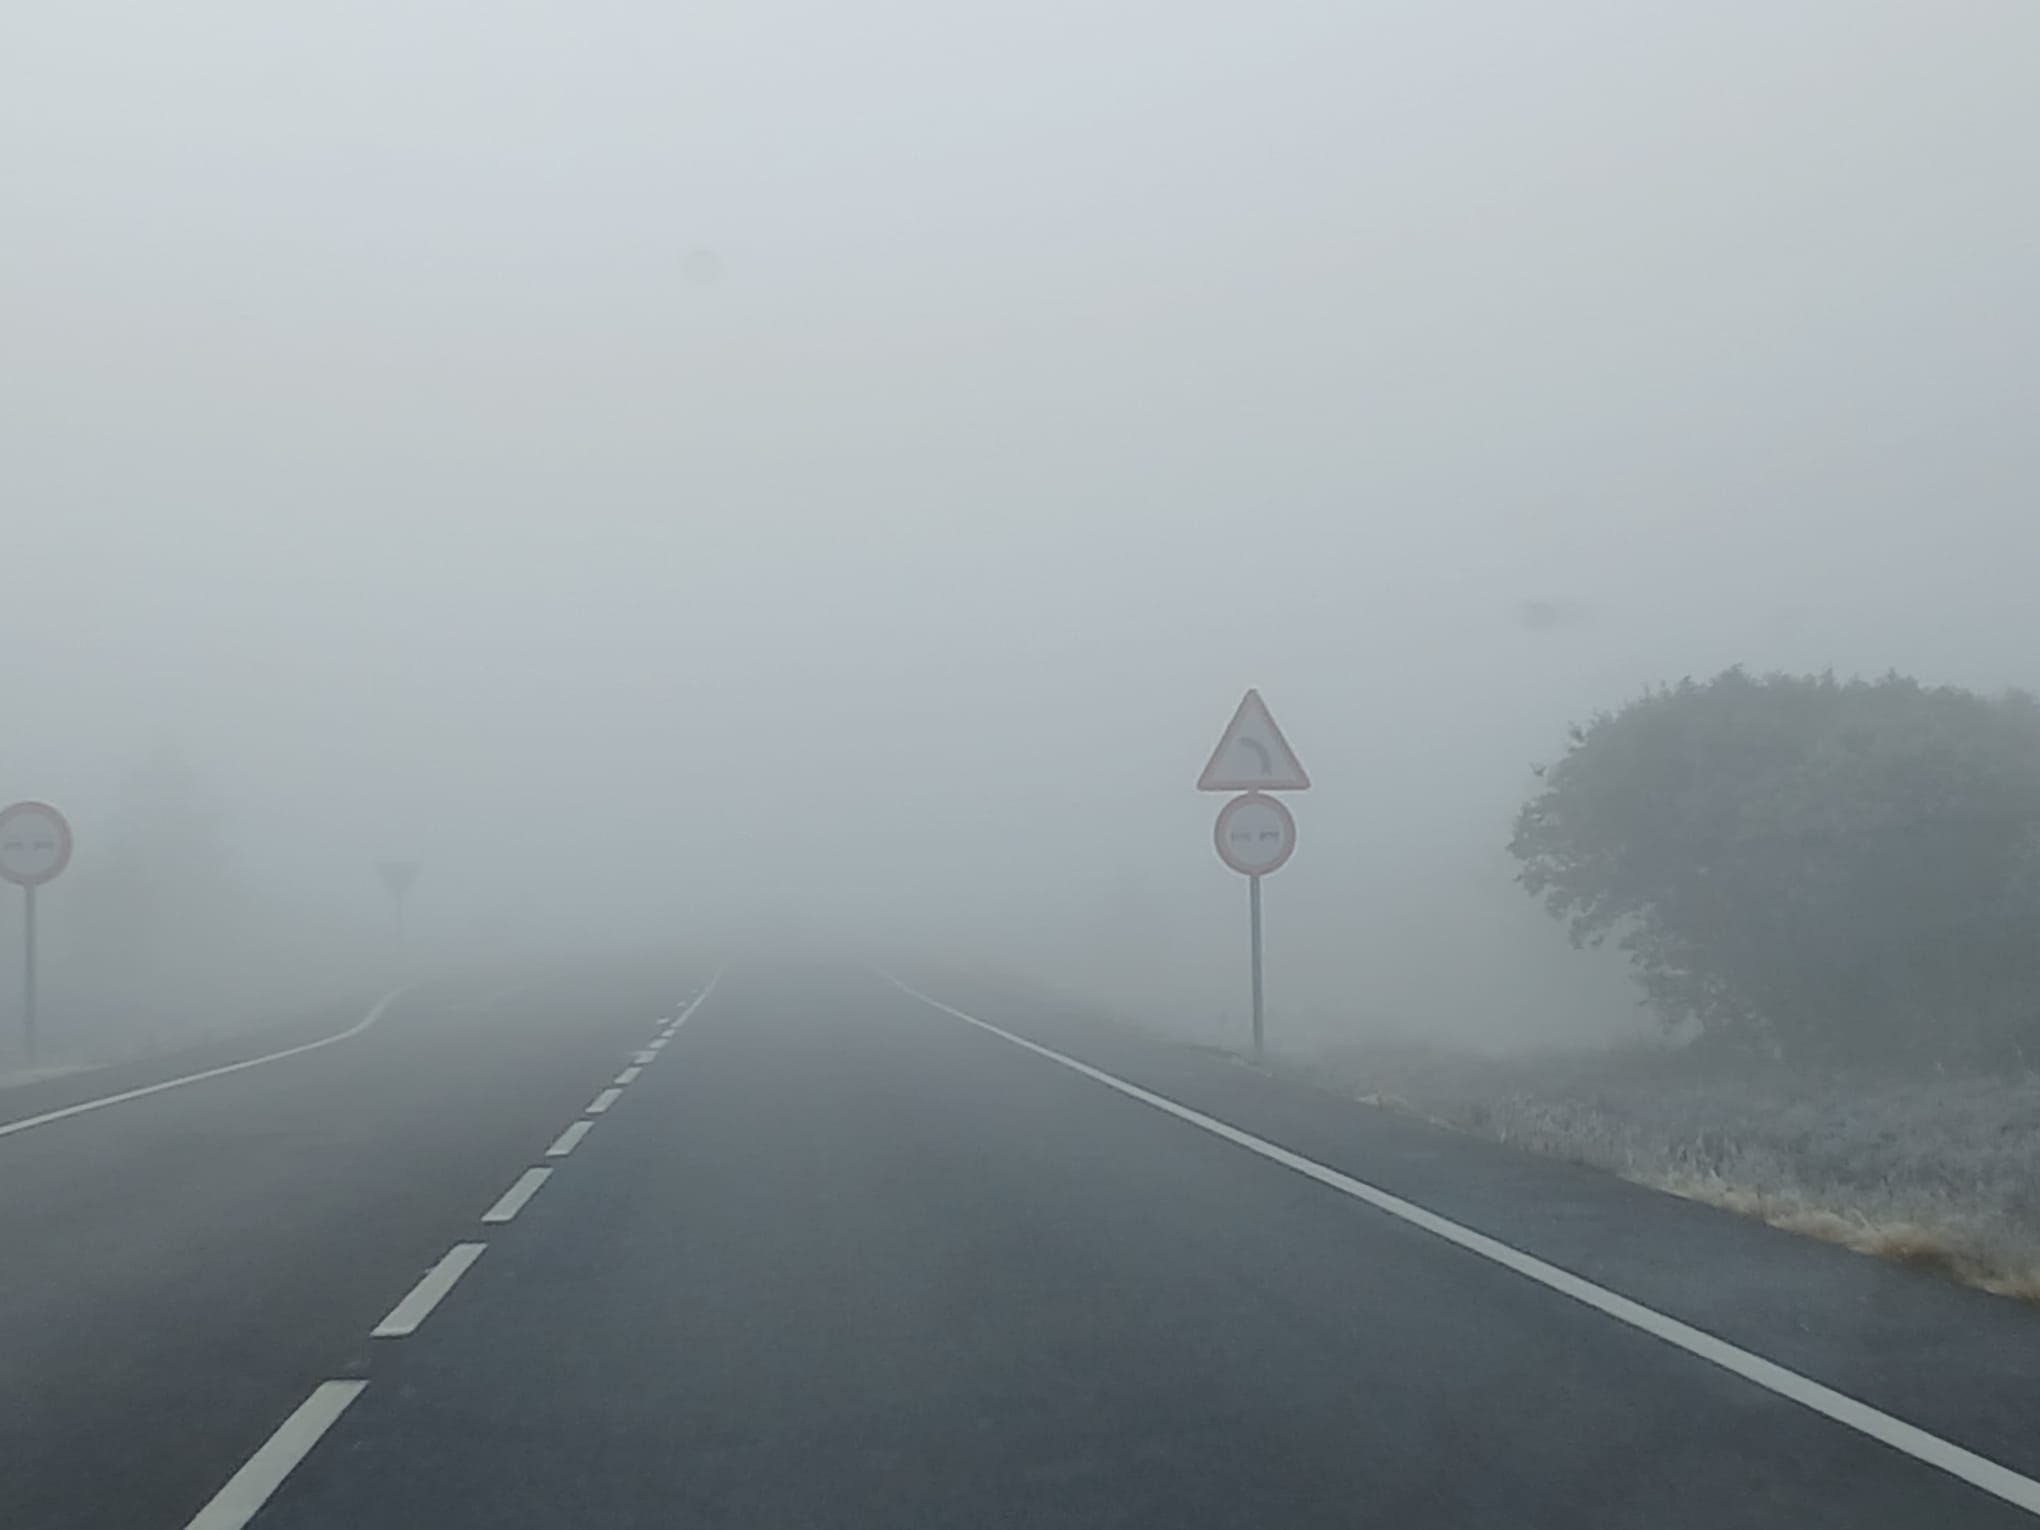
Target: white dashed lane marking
263, 1473
236, 1504
629, 1075
517, 1195
405, 1317
569, 1139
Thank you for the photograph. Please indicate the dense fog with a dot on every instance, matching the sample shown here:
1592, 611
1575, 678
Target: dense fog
688, 473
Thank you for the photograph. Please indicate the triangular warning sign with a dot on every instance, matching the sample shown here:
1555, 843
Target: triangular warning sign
1253, 756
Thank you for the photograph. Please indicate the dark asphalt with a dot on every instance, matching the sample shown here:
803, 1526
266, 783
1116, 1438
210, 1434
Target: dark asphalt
178, 1271
838, 1259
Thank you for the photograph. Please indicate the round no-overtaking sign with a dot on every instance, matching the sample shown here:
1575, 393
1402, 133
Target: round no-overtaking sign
35, 843
1255, 834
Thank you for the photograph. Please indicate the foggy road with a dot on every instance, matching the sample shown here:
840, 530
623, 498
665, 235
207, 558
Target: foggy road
626, 897
827, 1253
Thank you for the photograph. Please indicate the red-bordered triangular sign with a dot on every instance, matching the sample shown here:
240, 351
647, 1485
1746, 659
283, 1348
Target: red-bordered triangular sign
1253, 756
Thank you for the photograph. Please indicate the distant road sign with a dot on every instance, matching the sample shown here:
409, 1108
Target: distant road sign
397, 876
1253, 756
1255, 834
35, 843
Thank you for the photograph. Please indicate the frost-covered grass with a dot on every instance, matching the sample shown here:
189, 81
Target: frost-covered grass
1942, 1172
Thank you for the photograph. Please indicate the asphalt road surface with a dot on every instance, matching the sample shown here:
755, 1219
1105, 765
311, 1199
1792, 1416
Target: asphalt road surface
796, 1246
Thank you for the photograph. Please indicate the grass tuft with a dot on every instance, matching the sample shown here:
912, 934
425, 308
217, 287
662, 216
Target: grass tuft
1940, 1175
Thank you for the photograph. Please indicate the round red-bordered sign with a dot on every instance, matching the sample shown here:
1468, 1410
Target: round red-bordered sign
1255, 834
35, 843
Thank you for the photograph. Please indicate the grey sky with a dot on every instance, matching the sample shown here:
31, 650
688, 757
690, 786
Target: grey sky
1051, 373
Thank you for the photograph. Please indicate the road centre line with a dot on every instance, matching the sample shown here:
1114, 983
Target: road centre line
1930, 1449
604, 1100
658, 1045
641, 1059
687, 1010
569, 1139
375, 1013
432, 1287
263, 1473
629, 1075
513, 1200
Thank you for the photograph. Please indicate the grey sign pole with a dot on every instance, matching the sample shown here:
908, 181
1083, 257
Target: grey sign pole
1255, 835
35, 845
1255, 832
1254, 919
28, 971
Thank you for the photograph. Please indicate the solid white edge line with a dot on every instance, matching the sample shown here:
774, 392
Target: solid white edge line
1930, 1449
263, 1473
628, 1075
8, 1129
431, 1289
604, 1100
513, 1200
569, 1139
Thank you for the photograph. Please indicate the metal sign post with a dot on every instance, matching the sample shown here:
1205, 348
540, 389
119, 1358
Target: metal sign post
1255, 833
35, 847
1254, 923
28, 1035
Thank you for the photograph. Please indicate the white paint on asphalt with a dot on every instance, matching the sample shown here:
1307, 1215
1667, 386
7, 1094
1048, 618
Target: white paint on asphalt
405, 1317
659, 1044
263, 1473
604, 1100
1979, 1471
629, 1075
569, 1139
375, 1013
687, 1009
640, 1059
517, 1195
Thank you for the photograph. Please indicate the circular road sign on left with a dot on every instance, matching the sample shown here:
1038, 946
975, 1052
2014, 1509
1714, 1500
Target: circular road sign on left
35, 843
1255, 834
